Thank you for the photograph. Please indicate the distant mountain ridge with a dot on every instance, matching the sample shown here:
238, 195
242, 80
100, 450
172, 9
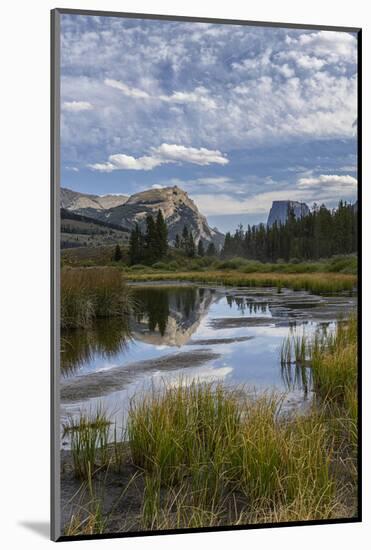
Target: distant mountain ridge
280, 209
177, 207
79, 202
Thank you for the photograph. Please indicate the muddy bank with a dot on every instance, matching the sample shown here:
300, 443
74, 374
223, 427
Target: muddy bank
238, 322
216, 341
104, 382
120, 492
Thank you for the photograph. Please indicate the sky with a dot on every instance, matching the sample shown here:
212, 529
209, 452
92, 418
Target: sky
236, 115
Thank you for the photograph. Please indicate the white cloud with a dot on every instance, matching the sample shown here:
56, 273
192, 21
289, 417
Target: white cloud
199, 95
329, 181
226, 88
164, 154
157, 186
180, 153
76, 106
336, 46
328, 189
72, 169
127, 90
257, 204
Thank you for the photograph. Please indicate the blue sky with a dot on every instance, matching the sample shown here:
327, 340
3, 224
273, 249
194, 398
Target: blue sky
237, 116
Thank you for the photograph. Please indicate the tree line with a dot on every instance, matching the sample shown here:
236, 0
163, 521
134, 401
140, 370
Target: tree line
152, 245
320, 234
186, 243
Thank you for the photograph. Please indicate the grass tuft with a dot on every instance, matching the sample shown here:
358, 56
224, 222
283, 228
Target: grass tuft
92, 293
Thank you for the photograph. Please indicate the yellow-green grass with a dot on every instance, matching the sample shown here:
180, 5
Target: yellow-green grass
225, 459
90, 293
320, 283
211, 455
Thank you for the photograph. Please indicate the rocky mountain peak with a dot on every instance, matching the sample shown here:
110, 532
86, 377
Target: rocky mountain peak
78, 202
177, 207
280, 209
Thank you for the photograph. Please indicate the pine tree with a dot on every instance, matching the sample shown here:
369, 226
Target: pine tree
200, 248
151, 243
185, 238
177, 242
211, 250
117, 255
162, 233
136, 253
191, 248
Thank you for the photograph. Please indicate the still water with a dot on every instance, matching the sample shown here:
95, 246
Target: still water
187, 332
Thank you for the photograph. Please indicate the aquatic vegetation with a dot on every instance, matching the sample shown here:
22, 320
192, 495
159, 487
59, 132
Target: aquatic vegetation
334, 363
92, 293
317, 283
89, 436
295, 349
210, 445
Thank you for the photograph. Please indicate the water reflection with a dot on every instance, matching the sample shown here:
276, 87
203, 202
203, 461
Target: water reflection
297, 377
107, 337
245, 305
170, 318
169, 315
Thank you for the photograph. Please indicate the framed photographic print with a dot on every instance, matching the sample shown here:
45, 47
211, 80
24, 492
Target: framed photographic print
206, 202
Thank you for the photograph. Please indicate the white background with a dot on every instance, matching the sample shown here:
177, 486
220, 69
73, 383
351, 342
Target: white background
24, 271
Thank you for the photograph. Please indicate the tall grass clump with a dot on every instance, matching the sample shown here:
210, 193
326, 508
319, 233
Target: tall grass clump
295, 349
89, 437
210, 447
188, 424
92, 293
331, 359
334, 362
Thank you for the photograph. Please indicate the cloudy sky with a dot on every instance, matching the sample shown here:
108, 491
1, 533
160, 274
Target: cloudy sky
237, 116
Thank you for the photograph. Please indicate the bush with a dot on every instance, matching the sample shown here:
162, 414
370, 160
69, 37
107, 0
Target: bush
234, 263
138, 267
160, 265
343, 264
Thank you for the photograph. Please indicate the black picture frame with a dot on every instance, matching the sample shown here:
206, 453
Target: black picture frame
55, 266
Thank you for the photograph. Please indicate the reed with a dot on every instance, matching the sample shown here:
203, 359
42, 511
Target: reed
317, 283
295, 349
89, 436
93, 293
213, 445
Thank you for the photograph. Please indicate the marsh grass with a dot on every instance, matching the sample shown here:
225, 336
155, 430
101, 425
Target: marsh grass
215, 448
317, 283
89, 437
208, 455
334, 364
295, 349
92, 293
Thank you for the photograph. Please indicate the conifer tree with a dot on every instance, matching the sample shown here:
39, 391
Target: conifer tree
211, 250
136, 246
200, 248
185, 238
191, 247
117, 255
177, 242
162, 233
151, 245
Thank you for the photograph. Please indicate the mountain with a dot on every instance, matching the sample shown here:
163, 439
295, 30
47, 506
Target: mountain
176, 206
81, 202
184, 311
81, 231
279, 211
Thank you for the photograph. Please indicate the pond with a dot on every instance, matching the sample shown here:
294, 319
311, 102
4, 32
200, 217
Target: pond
187, 332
